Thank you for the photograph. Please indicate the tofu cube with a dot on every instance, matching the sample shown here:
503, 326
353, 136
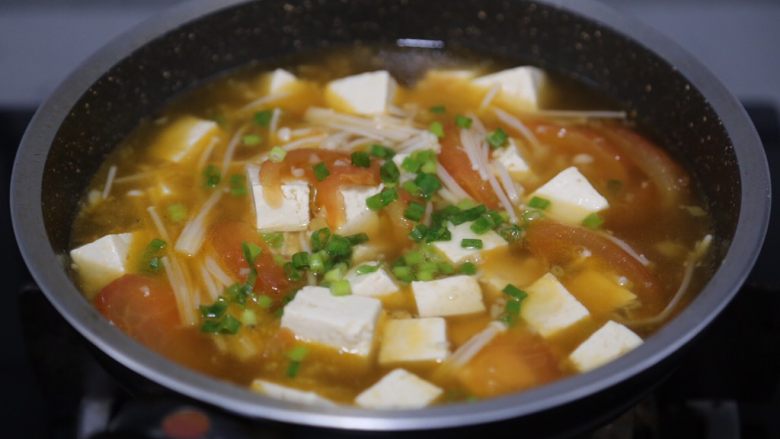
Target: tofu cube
606, 344
399, 389
520, 86
550, 308
571, 196
357, 216
102, 261
511, 159
292, 215
345, 323
183, 139
277, 81
366, 93
290, 394
450, 296
455, 252
414, 340
374, 284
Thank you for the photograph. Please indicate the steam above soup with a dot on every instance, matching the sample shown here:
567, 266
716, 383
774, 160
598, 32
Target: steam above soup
327, 235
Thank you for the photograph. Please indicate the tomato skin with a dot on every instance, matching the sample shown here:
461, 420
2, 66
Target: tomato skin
455, 160
226, 240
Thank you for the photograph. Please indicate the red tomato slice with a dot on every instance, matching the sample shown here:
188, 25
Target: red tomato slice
226, 239
454, 159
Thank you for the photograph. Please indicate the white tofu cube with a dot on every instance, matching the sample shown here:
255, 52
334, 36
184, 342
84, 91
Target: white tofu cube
277, 81
454, 250
449, 296
399, 389
293, 213
102, 261
511, 159
183, 139
374, 284
357, 216
414, 340
571, 196
366, 93
606, 344
346, 323
550, 307
519, 85
290, 394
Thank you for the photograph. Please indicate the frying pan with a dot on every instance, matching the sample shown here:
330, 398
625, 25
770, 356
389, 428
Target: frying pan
664, 89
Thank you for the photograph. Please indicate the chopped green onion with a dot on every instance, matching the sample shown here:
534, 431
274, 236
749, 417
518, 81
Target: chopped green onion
511, 312
438, 109
497, 138
279, 260
177, 212
413, 258
361, 159
414, 211
366, 269
263, 118
389, 172
481, 226
151, 261
428, 184
463, 121
419, 161
335, 274
250, 250
300, 260
274, 239
264, 301
531, 215
293, 368
298, 353
418, 232
237, 185
292, 273
317, 263
381, 151
215, 310
425, 275
357, 239
340, 288
226, 325
471, 243
446, 268
382, 199
468, 215
437, 129
211, 176
593, 221
319, 238
251, 140
403, 273
411, 187
511, 232
539, 203
321, 171
248, 317
338, 246
468, 268
514, 292
277, 154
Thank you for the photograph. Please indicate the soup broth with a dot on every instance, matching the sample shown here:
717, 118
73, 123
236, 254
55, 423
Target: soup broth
390, 228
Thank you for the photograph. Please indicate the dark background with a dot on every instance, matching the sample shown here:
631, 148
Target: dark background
41, 41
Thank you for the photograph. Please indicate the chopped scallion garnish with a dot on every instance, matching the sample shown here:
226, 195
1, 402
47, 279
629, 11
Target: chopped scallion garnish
151, 261
514, 292
277, 154
361, 159
463, 121
471, 243
437, 129
389, 172
428, 184
539, 203
263, 118
468, 268
382, 199
321, 171
251, 139
381, 151
340, 288
300, 260
497, 138
414, 211
274, 239
264, 301
237, 185
593, 221
366, 269
211, 176
177, 212
438, 109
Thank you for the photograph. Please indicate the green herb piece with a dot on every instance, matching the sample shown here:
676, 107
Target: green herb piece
248, 317
437, 129
238, 293
151, 261
418, 232
382, 199
425, 275
497, 138
389, 172
251, 139
292, 273
511, 232
428, 184
446, 268
211, 176
438, 109
593, 221
361, 159
531, 215
215, 310
413, 258
335, 274
366, 269
481, 225
319, 238
293, 368
463, 121
317, 263
381, 151
471, 243
273, 239
420, 161
340, 288
438, 232
250, 251
228, 325
414, 211
539, 203
264, 301
300, 260
177, 212
403, 273
468, 268
237, 185
338, 246
277, 154
263, 118
471, 214
411, 187
357, 239
514, 292
321, 171
298, 353
511, 312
